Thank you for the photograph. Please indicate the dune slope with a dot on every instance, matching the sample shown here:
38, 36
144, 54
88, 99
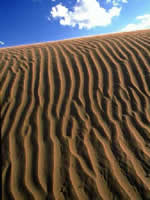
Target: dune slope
75, 119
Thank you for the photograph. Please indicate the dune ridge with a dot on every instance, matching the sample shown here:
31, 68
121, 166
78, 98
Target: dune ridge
75, 119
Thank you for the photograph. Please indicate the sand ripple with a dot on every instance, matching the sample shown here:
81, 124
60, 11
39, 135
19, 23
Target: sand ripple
75, 119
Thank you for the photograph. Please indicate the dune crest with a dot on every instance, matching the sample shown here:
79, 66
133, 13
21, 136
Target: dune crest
75, 119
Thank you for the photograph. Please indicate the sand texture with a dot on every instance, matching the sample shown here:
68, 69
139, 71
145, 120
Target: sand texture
75, 119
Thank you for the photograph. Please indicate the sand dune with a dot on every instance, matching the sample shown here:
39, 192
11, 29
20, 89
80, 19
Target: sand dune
75, 119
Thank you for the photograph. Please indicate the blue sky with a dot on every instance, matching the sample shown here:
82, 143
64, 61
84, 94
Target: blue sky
34, 21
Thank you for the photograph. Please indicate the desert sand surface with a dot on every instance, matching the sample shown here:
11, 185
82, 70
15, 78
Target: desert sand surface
75, 119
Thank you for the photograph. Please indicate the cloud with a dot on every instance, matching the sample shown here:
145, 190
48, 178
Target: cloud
143, 23
85, 14
2, 43
116, 2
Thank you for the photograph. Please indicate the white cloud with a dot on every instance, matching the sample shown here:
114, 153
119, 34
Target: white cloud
116, 2
143, 23
2, 43
85, 14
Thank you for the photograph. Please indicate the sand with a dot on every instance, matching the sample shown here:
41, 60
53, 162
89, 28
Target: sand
75, 119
